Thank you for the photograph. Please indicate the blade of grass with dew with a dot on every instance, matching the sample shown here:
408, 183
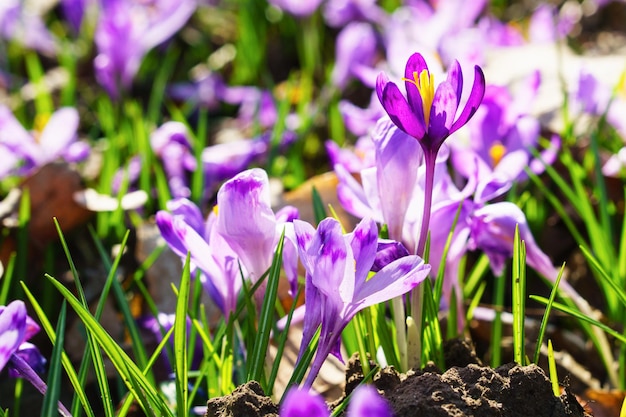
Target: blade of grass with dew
554, 379
77, 384
51, 398
91, 346
180, 341
546, 315
518, 275
574, 313
259, 352
133, 377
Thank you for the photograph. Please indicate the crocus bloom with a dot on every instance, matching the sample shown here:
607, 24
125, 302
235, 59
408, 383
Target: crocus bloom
171, 143
20, 24
356, 46
185, 230
247, 222
16, 327
57, 139
298, 8
428, 114
127, 30
365, 402
337, 284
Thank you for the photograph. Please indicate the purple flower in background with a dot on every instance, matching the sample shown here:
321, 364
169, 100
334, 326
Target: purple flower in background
16, 327
57, 139
356, 46
171, 143
297, 8
338, 13
365, 402
501, 136
75, 10
19, 23
247, 222
337, 284
426, 114
127, 30
185, 230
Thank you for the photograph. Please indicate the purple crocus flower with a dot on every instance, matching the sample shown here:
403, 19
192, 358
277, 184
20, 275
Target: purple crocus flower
337, 284
426, 114
57, 139
338, 13
16, 327
19, 23
501, 136
365, 402
249, 225
171, 143
429, 115
185, 230
127, 30
356, 46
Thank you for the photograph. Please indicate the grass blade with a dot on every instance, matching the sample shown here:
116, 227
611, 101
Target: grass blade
546, 315
51, 399
180, 342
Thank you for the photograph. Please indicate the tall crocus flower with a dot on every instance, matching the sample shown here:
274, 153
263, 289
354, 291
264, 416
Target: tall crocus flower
427, 114
337, 285
247, 222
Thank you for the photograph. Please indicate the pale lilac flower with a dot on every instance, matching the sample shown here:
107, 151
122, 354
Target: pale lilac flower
185, 230
127, 30
353, 160
297, 8
57, 139
18, 23
16, 327
251, 228
356, 47
614, 166
171, 143
338, 13
337, 284
502, 133
547, 25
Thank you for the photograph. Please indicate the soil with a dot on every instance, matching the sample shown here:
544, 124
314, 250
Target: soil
467, 388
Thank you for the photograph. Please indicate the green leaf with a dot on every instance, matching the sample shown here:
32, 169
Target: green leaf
180, 342
51, 399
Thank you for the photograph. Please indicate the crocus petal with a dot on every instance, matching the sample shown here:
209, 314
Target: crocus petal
473, 101
333, 263
401, 113
12, 330
367, 402
165, 223
455, 78
247, 221
59, 132
364, 243
397, 155
388, 251
303, 403
415, 65
442, 114
351, 194
395, 279
189, 211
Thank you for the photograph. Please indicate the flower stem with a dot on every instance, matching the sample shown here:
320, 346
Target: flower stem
26, 371
414, 346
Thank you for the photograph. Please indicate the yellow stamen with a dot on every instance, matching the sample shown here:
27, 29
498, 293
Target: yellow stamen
496, 152
41, 120
215, 210
425, 83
